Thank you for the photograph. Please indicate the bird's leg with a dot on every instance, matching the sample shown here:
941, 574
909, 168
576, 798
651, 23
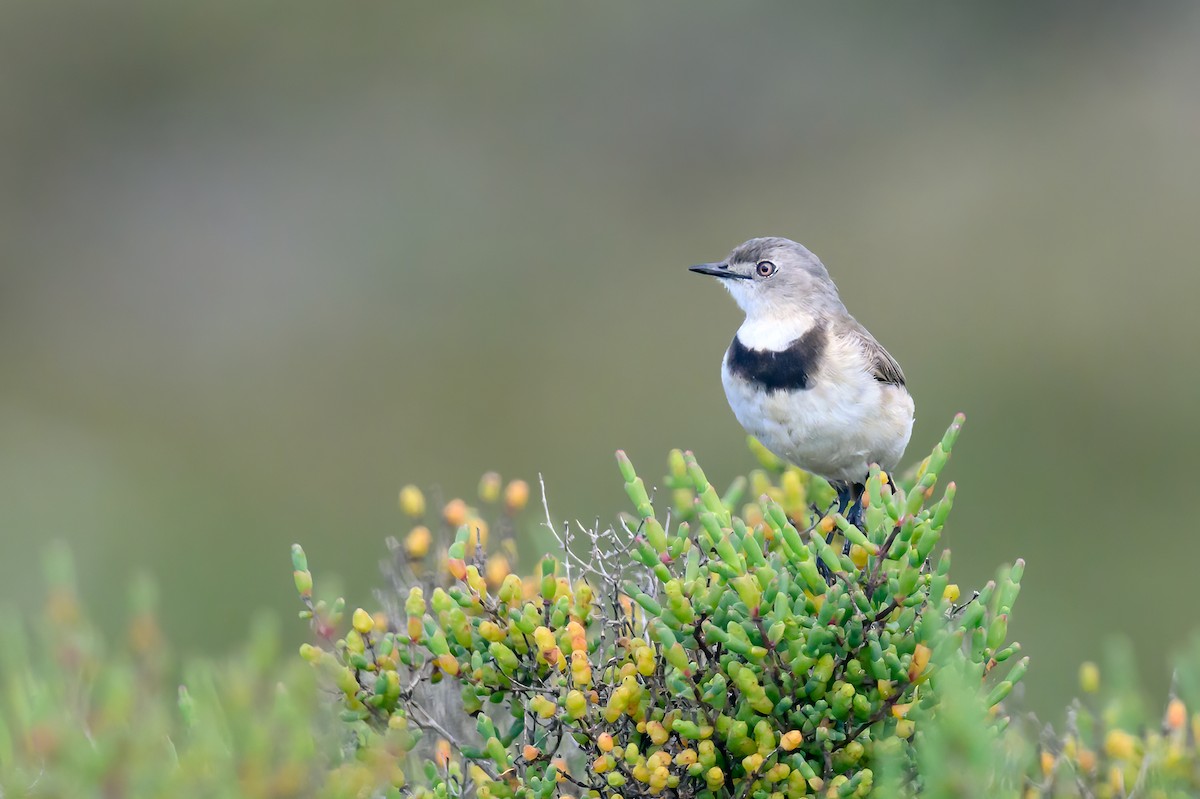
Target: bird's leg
855, 516
841, 503
845, 498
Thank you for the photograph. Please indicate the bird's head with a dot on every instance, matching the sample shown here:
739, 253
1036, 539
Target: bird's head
769, 276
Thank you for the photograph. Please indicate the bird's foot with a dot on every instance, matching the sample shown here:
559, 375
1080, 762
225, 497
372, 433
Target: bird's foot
825, 573
855, 515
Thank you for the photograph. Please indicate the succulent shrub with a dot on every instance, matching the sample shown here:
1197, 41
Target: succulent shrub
750, 642
84, 717
456, 690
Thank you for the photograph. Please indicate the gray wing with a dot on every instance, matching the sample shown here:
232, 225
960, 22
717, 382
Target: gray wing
882, 365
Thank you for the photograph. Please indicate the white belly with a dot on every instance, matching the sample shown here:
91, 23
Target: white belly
834, 429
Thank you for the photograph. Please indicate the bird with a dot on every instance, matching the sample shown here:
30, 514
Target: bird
803, 376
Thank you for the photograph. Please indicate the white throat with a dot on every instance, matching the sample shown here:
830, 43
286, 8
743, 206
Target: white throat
774, 331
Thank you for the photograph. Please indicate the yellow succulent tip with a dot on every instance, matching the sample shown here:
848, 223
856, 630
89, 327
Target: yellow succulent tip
489, 487
1089, 678
1120, 745
412, 501
418, 542
362, 621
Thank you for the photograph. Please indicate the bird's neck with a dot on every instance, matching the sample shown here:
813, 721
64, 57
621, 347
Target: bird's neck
774, 331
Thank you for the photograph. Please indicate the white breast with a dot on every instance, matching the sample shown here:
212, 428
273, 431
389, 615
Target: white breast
845, 421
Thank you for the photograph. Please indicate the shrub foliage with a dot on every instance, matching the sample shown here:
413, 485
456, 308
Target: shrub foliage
728, 645
717, 647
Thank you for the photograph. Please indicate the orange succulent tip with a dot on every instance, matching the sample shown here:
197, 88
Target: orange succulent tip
530, 753
516, 495
42, 740
826, 525
458, 568
1047, 763
866, 499
1086, 759
380, 621
1176, 715
442, 752
604, 742
920, 659
495, 570
418, 542
900, 711
144, 634
455, 513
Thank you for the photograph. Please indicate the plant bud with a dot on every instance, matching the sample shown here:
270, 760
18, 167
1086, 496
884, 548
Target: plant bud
304, 583
1089, 678
1120, 745
455, 513
477, 533
412, 501
361, 622
1176, 715
496, 569
489, 487
418, 542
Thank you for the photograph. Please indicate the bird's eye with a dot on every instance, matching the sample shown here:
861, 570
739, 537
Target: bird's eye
765, 269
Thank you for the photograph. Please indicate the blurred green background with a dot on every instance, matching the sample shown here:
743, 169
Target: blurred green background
263, 263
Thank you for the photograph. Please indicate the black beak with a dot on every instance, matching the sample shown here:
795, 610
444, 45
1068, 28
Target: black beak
716, 270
